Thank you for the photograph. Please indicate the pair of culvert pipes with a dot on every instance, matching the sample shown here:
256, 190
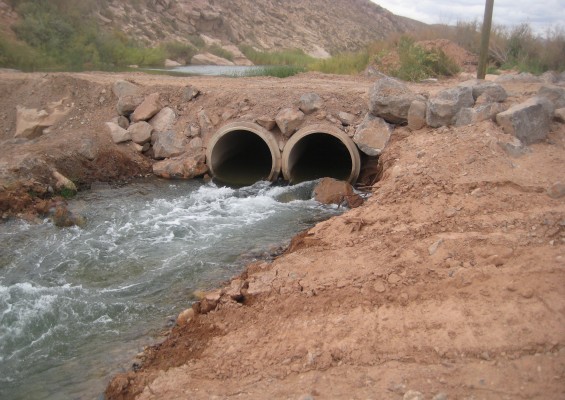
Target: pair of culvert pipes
243, 153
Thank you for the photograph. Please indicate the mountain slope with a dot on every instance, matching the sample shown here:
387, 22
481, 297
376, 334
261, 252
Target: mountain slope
316, 26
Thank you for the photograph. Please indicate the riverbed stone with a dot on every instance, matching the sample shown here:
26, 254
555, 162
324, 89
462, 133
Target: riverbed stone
140, 132
288, 120
559, 115
169, 144
186, 166
391, 99
163, 120
310, 102
189, 92
333, 191
528, 121
150, 106
118, 134
443, 108
372, 135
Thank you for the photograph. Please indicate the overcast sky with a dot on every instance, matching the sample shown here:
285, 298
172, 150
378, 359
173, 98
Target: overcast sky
540, 14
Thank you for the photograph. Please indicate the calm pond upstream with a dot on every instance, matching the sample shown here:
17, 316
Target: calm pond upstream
77, 305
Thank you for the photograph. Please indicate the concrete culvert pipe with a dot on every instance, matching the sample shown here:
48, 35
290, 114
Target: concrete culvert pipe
318, 151
242, 153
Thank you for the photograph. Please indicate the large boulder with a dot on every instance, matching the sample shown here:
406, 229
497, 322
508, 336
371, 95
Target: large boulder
391, 100
555, 94
443, 108
164, 120
169, 144
150, 106
494, 91
118, 134
482, 112
372, 135
186, 166
310, 102
332, 191
140, 132
528, 121
288, 120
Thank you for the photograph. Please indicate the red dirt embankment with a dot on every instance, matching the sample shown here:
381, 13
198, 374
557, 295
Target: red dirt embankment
448, 281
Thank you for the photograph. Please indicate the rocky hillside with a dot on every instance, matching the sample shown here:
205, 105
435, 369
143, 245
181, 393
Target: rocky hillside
318, 27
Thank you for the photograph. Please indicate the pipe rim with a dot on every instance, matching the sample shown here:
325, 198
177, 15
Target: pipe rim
329, 130
258, 130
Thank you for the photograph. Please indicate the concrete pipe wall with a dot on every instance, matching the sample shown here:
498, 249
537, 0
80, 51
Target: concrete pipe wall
242, 153
318, 151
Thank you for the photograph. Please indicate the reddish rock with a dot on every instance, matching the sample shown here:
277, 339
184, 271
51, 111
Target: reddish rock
332, 191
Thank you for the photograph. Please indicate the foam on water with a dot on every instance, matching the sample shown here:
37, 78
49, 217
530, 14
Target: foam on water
76, 304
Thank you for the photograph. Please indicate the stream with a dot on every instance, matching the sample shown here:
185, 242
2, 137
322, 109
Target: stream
77, 305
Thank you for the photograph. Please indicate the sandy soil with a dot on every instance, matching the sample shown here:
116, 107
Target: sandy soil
449, 280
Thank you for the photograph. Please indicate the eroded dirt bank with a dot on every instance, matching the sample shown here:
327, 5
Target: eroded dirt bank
448, 280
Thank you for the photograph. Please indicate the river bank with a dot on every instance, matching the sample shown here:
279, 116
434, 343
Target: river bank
446, 282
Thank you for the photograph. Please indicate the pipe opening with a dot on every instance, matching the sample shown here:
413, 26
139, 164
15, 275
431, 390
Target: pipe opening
315, 153
240, 155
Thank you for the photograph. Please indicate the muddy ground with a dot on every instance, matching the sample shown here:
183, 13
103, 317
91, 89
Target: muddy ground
448, 281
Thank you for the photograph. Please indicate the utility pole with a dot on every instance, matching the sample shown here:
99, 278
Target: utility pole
485, 36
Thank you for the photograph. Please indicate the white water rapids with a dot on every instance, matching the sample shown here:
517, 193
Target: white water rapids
76, 305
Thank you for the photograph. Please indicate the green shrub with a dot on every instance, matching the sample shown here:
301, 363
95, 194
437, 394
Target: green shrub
178, 51
277, 71
294, 57
417, 63
345, 63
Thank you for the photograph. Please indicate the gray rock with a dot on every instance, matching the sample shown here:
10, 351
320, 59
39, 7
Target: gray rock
550, 77
523, 77
555, 94
163, 120
372, 135
528, 121
119, 134
288, 120
121, 121
495, 92
187, 166
557, 190
196, 143
443, 108
127, 104
469, 116
514, 147
189, 92
172, 63
417, 115
310, 102
391, 100
123, 88
150, 106
169, 144
209, 59
140, 132
346, 118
